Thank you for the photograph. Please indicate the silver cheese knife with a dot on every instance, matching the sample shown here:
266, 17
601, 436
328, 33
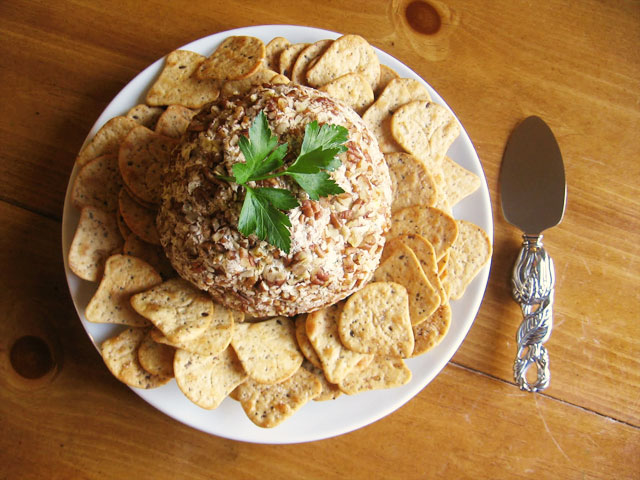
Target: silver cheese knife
533, 192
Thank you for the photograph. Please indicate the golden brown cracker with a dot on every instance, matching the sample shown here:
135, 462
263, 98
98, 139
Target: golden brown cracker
458, 182
330, 391
304, 59
386, 75
383, 372
303, 341
145, 115
430, 333
174, 121
411, 182
139, 219
235, 58
156, 358
351, 89
98, 183
107, 139
288, 57
272, 51
239, 87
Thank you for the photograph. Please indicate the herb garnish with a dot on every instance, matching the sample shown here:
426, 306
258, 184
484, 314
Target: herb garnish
263, 209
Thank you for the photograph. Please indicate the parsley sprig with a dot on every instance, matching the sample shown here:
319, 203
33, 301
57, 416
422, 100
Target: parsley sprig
263, 210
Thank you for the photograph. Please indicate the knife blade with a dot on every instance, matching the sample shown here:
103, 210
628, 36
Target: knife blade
533, 194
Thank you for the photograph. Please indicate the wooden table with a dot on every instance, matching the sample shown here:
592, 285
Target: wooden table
575, 64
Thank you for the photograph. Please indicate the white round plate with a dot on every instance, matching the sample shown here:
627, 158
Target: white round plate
316, 420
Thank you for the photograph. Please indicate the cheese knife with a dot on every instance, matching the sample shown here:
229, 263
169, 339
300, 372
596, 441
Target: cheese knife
533, 193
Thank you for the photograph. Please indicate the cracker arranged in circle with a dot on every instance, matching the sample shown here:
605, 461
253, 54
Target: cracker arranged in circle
401, 266
207, 380
288, 58
152, 254
375, 319
269, 405
458, 182
303, 342
238, 87
438, 227
123, 277
125, 231
176, 308
430, 333
330, 391
347, 54
142, 158
272, 51
386, 75
337, 360
411, 182
138, 218
97, 184
306, 56
469, 253
383, 372
96, 238
235, 58
268, 350
425, 129
107, 139
174, 121
120, 354
146, 115
156, 358
397, 93
177, 84
351, 89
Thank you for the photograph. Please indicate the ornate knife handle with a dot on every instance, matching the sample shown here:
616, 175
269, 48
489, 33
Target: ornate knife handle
533, 284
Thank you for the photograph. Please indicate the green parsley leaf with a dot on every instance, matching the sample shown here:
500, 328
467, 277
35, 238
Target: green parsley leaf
325, 137
258, 216
316, 184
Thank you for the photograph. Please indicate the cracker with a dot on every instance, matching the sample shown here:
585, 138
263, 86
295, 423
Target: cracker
235, 58
107, 139
272, 51
438, 227
383, 372
347, 54
97, 184
402, 266
177, 85
330, 391
176, 308
174, 121
304, 59
142, 158
145, 115
386, 75
303, 342
397, 93
207, 380
469, 253
351, 89
430, 333
152, 254
425, 129
120, 355
458, 182
336, 359
123, 277
156, 358
122, 226
375, 319
268, 350
239, 87
288, 57
411, 182
269, 405
96, 238
139, 219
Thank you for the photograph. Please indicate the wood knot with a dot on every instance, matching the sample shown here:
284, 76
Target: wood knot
423, 17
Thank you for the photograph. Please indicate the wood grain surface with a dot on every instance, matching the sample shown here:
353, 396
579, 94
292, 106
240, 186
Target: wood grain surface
575, 64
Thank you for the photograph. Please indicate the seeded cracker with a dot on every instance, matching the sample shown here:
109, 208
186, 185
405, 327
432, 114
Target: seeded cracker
269, 405
238, 87
351, 89
97, 184
268, 350
145, 115
174, 121
140, 220
397, 93
142, 158
429, 333
288, 58
386, 75
120, 354
347, 54
411, 182
382, 372
208, 380
376, 320
272, 51
458, 182
107, 139
177, 85
469, 253
124, 276
305, 58
156, 358
303, 342
96, 238
337, 360
237, 57
438, 227
330, 391
401, 266
178, 309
